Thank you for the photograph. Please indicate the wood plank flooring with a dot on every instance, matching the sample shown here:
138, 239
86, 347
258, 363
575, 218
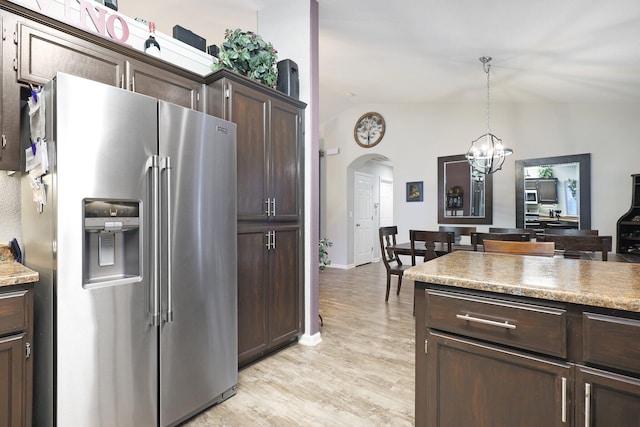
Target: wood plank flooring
361, 374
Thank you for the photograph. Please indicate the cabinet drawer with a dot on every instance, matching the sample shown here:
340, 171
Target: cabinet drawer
611, 341
14, 312
528, 326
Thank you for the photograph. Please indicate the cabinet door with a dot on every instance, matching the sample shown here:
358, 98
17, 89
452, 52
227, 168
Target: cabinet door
481, 385
252, 300
157, 83
548, 190
12, 381
9, 106
284, 307
43, 51
285, 153
605, 399
249, 110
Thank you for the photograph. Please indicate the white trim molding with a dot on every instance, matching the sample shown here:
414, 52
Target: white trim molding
310, 340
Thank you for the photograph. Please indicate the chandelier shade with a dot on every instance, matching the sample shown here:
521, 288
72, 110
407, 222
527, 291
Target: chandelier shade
487, 153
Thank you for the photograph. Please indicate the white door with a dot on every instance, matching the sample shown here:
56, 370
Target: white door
386, 203
363, 201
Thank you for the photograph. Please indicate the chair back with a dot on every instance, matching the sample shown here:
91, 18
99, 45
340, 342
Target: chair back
570, 232
387, 239
573, 246
458, 231
479, 238
531, 231
520, 248
430, 239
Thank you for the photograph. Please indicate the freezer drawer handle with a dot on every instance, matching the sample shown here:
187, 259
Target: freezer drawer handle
468, 318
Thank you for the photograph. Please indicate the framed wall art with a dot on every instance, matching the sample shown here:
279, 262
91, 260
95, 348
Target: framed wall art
414, 191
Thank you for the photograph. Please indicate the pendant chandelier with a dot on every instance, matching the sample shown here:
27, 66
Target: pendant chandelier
486, 154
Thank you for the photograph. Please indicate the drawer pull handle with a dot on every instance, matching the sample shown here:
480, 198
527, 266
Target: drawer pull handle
504, 324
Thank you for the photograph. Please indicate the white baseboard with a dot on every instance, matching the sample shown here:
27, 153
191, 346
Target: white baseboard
310, 340
341, 266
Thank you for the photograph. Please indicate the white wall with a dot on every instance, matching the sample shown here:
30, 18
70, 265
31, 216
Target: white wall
10, 223
417, 135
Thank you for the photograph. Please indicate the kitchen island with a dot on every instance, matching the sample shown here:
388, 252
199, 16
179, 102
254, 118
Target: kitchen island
526, 341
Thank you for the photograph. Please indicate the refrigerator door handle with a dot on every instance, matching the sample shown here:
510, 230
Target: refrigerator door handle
168, 315
153, 163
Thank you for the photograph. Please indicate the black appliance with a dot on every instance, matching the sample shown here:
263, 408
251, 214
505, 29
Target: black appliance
288, 81
189, 37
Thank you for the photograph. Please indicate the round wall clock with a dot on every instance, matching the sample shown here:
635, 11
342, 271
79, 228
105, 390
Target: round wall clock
369, 129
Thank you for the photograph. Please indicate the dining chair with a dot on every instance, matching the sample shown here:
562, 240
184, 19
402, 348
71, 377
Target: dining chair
520, 248
444, 239
458, 231
479, 238
391, 260
575, 246
531, 231
570, 232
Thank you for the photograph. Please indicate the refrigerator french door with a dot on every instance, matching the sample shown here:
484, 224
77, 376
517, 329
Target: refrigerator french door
136, 305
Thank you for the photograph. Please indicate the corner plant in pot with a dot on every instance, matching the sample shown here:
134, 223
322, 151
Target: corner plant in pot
324, 255
247, 53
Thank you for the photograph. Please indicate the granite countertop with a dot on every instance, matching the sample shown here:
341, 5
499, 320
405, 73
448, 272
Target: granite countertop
562, 218
596, 283
14, 273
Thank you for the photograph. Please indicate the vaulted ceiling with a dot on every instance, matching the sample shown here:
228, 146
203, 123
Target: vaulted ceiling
408, 51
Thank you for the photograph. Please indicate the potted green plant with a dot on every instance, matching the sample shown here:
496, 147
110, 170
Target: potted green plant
324, 255
573, 187
247, 53
546, 172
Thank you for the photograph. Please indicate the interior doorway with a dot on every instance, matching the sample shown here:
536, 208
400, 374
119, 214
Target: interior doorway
363, 217
386, 202
370, 204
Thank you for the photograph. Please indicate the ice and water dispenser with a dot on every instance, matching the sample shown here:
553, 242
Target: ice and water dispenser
112, 252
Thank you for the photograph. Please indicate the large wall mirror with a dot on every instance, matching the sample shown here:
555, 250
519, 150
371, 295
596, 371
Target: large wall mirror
554, 192
461, 198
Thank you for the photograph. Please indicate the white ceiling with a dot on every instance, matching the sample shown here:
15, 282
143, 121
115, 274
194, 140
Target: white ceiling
426, 51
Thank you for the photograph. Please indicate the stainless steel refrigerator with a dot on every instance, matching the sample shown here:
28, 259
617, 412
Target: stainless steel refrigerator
136, 308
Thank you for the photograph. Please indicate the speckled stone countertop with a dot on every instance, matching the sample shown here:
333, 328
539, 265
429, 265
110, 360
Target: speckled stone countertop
13, 273
594, 283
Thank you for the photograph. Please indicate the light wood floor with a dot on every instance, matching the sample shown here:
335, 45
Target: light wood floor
362, 374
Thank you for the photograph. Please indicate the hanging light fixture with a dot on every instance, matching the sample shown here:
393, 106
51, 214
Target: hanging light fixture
486, 154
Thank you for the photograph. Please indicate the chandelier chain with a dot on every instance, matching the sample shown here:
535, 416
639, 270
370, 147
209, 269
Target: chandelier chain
487, 67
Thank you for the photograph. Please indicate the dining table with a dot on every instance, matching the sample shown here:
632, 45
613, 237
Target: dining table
440, 248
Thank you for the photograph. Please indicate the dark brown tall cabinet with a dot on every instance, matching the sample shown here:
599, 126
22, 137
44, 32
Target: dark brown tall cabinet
270, 219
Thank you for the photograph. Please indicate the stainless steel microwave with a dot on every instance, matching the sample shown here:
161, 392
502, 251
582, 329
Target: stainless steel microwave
531, 197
